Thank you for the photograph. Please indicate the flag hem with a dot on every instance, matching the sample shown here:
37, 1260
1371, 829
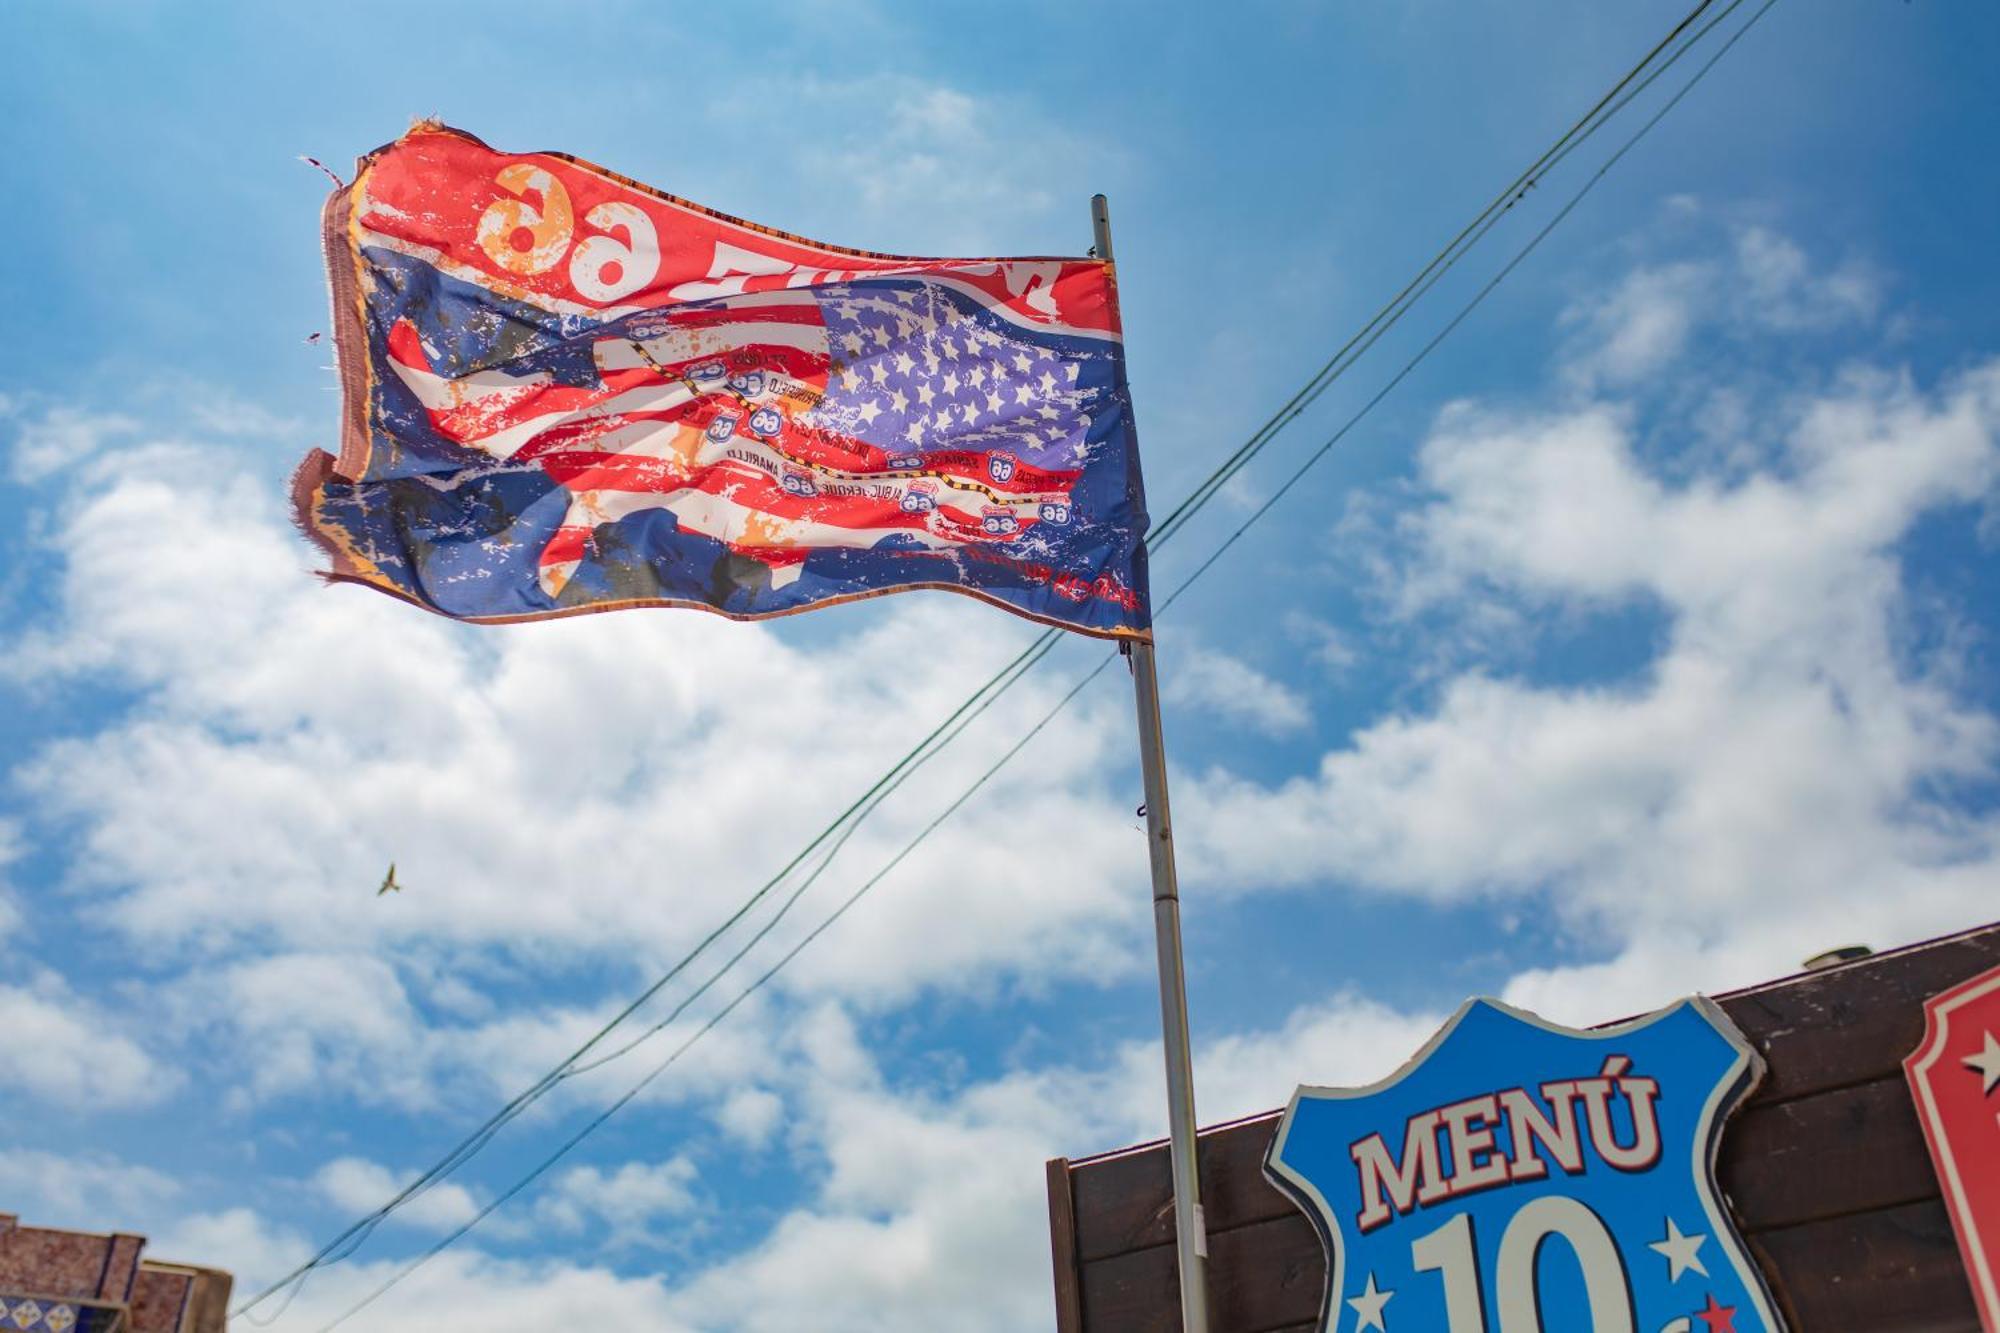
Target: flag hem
352, 364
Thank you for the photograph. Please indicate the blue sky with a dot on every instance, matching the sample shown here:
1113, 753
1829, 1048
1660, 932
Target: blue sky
1642, 642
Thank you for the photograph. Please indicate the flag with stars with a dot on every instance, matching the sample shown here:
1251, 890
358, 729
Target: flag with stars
1517, 1174
565, 392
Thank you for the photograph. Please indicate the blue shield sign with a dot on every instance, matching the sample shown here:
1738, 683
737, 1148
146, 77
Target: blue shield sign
1520, 1177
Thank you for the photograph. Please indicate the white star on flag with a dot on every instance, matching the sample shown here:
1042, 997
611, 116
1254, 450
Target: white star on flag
1368, 1307
1679, 1250
1987, 1062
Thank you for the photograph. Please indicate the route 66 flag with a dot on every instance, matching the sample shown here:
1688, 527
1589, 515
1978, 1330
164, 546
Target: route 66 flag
565, 392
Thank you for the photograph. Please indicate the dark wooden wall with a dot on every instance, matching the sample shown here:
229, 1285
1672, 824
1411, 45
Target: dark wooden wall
1825, 1167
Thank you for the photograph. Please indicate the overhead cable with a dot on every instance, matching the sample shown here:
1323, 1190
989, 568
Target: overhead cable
958, 802
830, 838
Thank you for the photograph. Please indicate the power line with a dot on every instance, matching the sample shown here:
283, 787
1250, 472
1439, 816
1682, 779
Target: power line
1409, 366
796, 894
347, 1241
1468, 236
626, 1098
1359, 343
1433, 273
976, 704
1477, 299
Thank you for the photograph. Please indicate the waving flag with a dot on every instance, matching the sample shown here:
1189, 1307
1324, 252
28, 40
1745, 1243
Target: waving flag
565, 392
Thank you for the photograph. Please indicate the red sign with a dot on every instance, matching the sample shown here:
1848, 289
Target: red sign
1955, 1076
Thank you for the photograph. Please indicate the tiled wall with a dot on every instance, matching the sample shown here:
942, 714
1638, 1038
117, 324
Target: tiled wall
32, 1314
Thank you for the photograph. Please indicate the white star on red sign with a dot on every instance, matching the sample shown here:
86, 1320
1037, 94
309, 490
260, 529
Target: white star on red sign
1987, 1062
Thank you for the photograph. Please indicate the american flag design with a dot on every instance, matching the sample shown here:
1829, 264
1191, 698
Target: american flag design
565, 392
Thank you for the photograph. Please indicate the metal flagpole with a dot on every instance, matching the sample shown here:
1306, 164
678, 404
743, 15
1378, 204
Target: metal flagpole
1190, 1231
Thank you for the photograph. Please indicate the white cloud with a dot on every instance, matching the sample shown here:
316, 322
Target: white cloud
495, 1296
930, 168
932, 1211
224, 414
1330, 648
1216, 682
63, 437
93, 1191
1768, 785
1645, 321
977, 168
60, 1049
558, 789
10, 852
630, 1201
303, 1021
1346, 1041
575, 803
750, 1115
318, 1025
929, 1212
922, 1209
1782, 291
236, 1240
358, 1186
463, 1289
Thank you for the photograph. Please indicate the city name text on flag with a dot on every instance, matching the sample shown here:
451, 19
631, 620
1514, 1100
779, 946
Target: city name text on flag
566, 392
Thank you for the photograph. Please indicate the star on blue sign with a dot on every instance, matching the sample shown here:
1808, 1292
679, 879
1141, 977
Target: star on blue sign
1520, 1177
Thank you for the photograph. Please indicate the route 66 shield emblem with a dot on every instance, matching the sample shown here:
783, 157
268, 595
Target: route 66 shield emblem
1520, 1177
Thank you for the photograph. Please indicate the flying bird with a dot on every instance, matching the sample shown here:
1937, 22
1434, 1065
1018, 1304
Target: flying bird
389, 882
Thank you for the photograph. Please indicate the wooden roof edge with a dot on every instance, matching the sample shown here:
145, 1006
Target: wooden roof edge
1219, 1127
1866, 960
1775, 983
